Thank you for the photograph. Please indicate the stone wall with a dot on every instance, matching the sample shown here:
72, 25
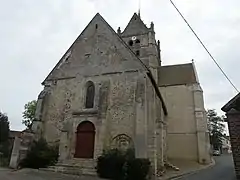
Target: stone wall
120, 105
125, 103
233, 119
97, 55
181, 125
187, 136
20, 148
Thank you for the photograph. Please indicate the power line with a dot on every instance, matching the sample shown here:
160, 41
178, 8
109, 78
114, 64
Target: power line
204, 47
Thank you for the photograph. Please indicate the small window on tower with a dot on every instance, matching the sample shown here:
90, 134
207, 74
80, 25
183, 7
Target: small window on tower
137, 53
96, 26
137, 41
130, 43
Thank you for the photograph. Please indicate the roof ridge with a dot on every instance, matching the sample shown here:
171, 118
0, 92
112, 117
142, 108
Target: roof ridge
176, 64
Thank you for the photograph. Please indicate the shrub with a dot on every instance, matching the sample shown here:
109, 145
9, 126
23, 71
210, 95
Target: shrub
4, 149
110, 165
118, 165
40, 155
4, 161
5, 154
137, 169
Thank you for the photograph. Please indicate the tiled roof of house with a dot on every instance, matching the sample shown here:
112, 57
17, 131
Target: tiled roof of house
233, 103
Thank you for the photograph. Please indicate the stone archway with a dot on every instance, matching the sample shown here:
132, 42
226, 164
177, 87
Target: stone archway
85, 137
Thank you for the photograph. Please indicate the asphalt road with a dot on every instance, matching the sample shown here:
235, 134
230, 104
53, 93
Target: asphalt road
29, 174
223, 170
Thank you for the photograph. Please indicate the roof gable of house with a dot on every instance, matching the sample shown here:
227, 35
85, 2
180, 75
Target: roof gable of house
234, 103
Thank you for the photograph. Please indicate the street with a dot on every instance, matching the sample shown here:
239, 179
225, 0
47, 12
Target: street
223, 170
31, 174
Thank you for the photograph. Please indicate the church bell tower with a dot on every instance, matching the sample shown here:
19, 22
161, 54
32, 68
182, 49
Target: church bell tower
141, 40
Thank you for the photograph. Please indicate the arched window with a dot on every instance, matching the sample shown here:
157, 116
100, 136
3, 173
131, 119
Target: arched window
90, 93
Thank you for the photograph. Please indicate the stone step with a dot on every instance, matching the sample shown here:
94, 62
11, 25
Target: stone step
71, 170
92, 172
75, 166
47, 169
83, 163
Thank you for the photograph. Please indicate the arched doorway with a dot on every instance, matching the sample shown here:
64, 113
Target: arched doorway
85, 138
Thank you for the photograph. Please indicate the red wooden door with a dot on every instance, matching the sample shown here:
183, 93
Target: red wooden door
85, 138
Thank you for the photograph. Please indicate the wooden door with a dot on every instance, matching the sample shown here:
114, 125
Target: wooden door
85, 138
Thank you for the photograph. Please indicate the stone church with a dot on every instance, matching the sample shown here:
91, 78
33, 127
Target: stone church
109, 90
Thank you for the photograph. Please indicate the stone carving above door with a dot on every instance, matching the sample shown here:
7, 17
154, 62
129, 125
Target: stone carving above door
122, 141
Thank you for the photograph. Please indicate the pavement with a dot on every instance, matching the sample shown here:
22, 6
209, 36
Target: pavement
32, 174
222, 170
185, 167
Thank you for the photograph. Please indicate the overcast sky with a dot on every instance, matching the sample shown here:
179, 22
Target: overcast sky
35, 34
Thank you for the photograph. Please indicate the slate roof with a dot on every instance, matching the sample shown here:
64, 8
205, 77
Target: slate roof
233, 103
177, 75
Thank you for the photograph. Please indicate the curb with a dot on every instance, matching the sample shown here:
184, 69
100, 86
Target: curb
191, 172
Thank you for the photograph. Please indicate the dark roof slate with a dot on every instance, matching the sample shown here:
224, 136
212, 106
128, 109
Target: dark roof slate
177, 75
234, 103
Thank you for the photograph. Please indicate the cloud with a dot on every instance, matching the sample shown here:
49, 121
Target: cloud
35, 34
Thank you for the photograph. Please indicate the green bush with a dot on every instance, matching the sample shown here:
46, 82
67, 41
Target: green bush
40, 155
5, 148
137, 169
5, 154
118, 165
110, 165
4, 162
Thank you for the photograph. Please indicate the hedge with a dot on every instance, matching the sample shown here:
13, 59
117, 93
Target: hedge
118, 165
40, 155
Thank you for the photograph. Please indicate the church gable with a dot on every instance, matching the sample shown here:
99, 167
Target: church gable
99, 51
96, 51
135, 26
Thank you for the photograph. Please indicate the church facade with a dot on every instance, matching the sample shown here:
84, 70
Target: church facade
109, 90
